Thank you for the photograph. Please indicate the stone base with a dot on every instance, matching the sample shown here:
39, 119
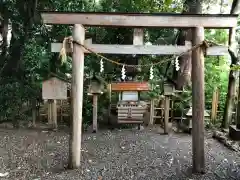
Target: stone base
234, 133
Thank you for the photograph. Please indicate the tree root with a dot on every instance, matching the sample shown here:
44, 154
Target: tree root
223, 138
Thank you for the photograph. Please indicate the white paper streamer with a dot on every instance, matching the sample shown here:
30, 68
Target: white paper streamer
123, 72
151, 73
101, 66
177, 64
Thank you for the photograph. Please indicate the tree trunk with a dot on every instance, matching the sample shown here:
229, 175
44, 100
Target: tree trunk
34, 112
4, 32
183, 76
27, 10
227, 116
238, 106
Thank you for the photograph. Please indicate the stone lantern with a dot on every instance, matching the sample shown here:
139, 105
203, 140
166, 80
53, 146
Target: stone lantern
95, 86
188, 120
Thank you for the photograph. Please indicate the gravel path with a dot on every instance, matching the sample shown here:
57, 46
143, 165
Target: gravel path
118, 154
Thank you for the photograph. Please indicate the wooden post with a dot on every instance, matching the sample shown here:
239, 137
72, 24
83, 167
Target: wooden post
138, 36
213, 113
34, 112
198, 102
214, 105
50, 112
238, 107
34, 107
166, 114
162, 104
95, 112
110, 92
151, 121
172, 112
77, 96
217, 100
54, 114
61, 110
110, 102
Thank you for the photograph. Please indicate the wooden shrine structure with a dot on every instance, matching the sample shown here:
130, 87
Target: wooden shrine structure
129, 108
95, 88
141, 20
53, 89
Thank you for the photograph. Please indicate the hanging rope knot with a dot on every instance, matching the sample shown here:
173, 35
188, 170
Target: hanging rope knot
66, 44
204, 47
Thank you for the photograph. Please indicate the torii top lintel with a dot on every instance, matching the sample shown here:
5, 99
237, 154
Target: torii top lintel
172, 20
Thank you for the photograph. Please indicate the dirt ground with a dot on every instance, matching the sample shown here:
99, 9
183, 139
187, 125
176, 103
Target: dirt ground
118, 154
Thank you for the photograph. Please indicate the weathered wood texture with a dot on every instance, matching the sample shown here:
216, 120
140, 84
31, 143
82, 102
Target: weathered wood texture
54, 88
166, 114
238, 106
138, 36
140, 20
130, 114
142, 49
34, 112
50, 121
198, 102
183, 77
54, 114
130, 86
214, 105
129, 121
95, 112
151, 121
77, 96
228, 109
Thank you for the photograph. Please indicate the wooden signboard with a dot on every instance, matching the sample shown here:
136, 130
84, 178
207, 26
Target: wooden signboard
130, 86
54, 88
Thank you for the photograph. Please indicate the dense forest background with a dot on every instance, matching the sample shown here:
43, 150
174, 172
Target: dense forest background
25, 57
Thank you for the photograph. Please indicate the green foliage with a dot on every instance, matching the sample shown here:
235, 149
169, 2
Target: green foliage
217, 36
235, 68
216, 76
216, 71
12, 96
157, 89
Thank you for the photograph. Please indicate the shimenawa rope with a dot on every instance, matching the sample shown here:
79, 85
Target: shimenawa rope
69, 40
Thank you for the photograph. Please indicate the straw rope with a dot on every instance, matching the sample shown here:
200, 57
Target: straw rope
69, 40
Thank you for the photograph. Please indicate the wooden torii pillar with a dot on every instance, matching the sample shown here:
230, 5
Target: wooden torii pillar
198, 101
197, 22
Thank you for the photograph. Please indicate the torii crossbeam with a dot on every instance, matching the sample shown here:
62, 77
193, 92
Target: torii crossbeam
172, 20
140, 20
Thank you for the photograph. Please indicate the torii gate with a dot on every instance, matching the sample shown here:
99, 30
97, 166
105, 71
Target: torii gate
196, 22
